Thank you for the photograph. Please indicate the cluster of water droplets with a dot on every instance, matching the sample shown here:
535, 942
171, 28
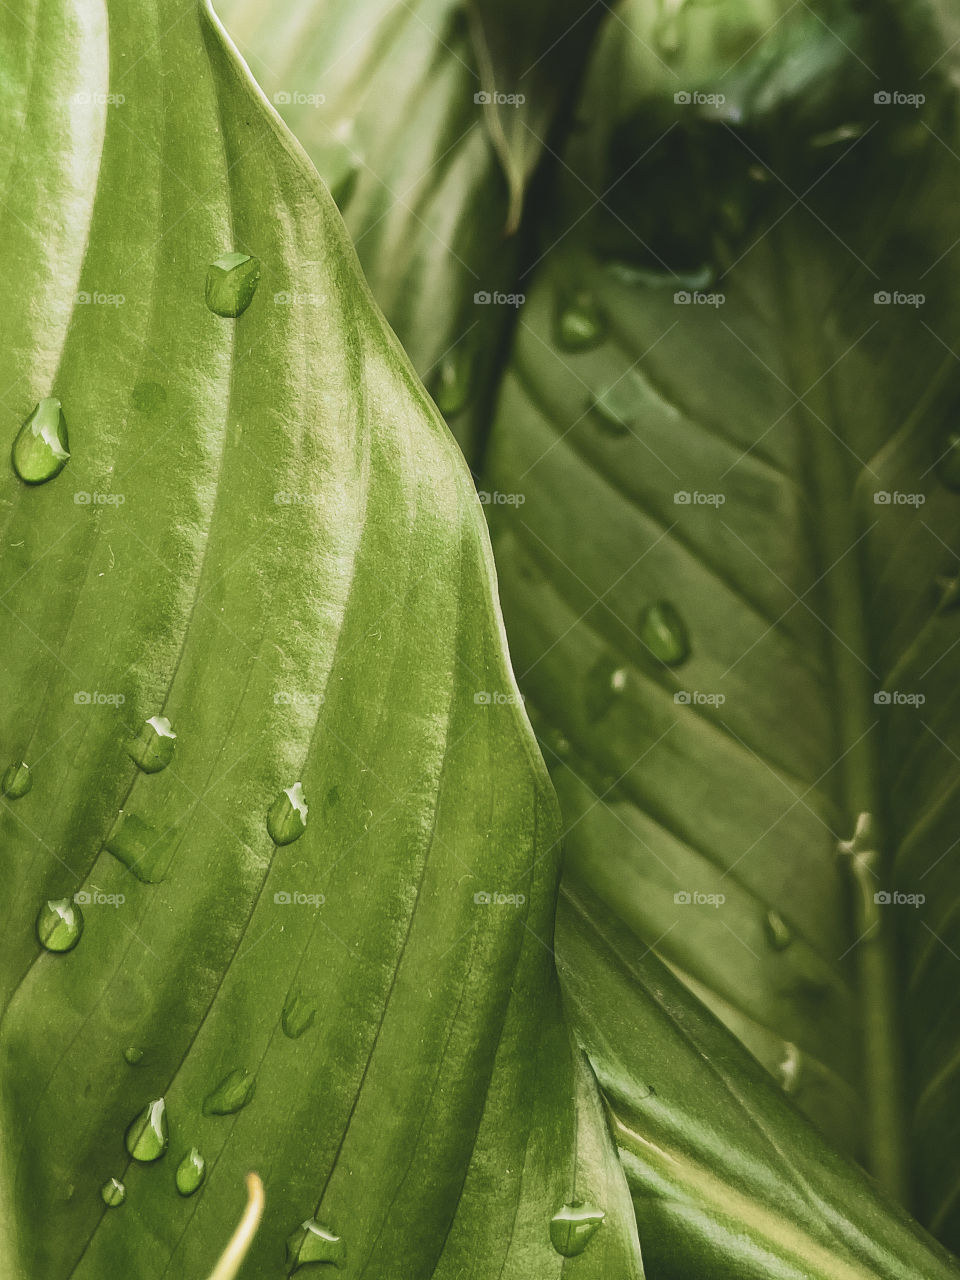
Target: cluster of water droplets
40, 452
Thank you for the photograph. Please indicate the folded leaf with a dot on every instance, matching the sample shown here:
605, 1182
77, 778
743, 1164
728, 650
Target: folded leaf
280, 890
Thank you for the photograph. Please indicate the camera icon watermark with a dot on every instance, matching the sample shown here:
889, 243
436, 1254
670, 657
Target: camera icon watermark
896, 98
896, 698
694, 498
897, 298
486, 698
697, 698
894, 498
85, 698
697, 298
694, 98
497, 499
483, 98
84, 499
694, 898
883, 898
293, 97
293, 898
94, 898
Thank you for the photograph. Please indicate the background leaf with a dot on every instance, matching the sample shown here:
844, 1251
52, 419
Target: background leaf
717, 497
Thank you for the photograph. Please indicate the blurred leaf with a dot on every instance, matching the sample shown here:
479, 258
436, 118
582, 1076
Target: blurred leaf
726, 530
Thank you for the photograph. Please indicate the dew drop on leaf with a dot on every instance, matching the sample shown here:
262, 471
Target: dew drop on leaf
573, 1227
949, 593
312, 1242
604, 683
790, 1068
664, 633
298, 1015
231, 283
948, 464
59, 924
148, 1136
152, 749
232, 1094
779, 934
132, 1055
453, 383
41, 450
580, 323
629, 273
138, 846
287, 818
113, 1193
615, 408
17, 780
191, 1171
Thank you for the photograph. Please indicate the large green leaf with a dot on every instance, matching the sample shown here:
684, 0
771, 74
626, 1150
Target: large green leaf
265, 535
729, 1180
741, 476
388, 100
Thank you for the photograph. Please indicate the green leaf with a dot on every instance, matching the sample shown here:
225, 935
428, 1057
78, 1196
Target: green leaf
258, 593
729, 1180
384, 97
743, 447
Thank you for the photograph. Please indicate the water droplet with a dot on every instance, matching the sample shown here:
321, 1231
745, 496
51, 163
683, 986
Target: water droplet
231, 283
298, 1014
133, 1055
191, 1171
843, 133
664, 633
148, 396
580, 323
789, 1070
17, 780
631, 273
232, 1094
113, 1193
313, 1243
605, 681
555, 745
573, 1227
59, 924
152, 749
148, 1135
453, 382
779, 933
287, 819
615, 407
41, 449
948, 464
138, 846
949, 589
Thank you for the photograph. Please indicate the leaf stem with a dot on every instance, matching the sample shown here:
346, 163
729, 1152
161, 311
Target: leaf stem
242, 1238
